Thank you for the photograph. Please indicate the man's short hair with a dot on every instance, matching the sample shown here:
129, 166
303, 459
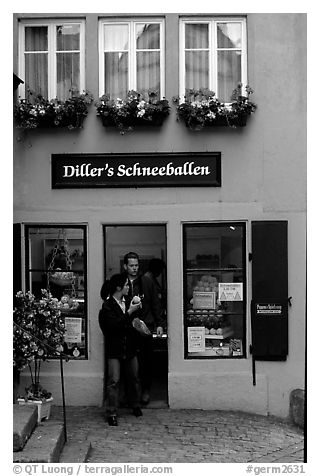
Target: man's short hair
130, 255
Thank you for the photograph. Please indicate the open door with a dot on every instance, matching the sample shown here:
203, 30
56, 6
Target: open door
148, 241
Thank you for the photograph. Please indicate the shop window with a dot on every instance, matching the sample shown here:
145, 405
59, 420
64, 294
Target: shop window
51, 58
55, 258
214, 290
131, 57
213, 55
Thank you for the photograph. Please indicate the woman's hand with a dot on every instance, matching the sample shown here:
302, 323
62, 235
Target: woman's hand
134, 307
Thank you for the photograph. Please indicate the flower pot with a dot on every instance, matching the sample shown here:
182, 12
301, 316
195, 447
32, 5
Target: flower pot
44, 407
223, 121
62, 278
16, 383
155, 121
219, 121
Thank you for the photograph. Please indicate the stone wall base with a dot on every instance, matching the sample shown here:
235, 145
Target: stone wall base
297, 407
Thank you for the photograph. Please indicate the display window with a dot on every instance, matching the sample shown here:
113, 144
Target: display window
214, 290
56, 260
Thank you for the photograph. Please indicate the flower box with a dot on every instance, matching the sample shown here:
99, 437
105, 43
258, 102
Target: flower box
38, 112
201, 108
154, 121
43, 406
126, 114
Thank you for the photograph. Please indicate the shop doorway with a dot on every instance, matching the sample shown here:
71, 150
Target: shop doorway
149, 242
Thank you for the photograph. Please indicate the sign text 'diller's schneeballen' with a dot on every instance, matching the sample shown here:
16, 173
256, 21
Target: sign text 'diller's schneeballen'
136, 170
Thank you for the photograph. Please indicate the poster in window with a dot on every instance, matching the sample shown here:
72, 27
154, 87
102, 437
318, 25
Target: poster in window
230, 291
73, 329
196, 339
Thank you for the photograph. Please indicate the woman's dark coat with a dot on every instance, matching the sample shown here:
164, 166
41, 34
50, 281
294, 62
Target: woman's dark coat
120, 336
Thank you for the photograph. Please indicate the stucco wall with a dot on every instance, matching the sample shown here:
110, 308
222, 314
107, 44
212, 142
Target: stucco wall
263, 177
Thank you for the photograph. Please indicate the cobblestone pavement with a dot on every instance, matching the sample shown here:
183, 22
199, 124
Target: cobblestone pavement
184, 436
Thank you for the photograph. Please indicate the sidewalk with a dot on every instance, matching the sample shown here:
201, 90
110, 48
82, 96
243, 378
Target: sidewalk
183, 436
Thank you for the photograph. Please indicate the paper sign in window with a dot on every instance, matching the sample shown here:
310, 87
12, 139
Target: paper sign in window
73, 329
196, 339
230, 291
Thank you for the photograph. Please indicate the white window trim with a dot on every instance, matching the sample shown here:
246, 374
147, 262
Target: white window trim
212, 22
132, 73
52, 66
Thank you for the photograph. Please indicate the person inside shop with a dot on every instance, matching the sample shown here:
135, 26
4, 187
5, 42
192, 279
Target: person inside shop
115, 320
153, 314
148, 289
131, 268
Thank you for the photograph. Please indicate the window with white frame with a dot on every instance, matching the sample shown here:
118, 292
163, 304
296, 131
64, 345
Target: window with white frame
51, 57
131, 57
213, 55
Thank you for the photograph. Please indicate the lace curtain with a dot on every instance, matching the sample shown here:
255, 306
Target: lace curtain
39, 45
130, 66
225, 60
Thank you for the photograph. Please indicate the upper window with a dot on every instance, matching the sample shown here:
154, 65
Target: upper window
213, 55
51, 58
131, 57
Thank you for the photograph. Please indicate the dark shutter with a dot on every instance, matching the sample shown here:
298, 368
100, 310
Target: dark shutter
269, 307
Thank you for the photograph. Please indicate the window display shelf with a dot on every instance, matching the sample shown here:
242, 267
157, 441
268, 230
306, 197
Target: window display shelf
214, 270
226, 333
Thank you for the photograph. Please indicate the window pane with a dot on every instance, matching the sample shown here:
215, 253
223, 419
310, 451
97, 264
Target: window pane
148, 71
116, 74
148, 36
214, 294
196, 35
68, 37
68, 74
36, 73
116, 37
36, 38
229, 35
197, 69
229, 73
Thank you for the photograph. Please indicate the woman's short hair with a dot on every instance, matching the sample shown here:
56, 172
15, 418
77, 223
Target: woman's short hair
110, 286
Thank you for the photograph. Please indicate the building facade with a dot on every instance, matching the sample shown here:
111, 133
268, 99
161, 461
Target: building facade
224, 207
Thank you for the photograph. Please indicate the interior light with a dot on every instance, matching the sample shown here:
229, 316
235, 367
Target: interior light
232, 228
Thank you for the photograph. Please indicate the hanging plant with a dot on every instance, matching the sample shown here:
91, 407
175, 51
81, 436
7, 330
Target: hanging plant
37, 112
135, 110
202, 108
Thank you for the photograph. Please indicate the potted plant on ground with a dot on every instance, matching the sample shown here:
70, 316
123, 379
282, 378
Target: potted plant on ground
38, 332
132, 111
37, 112
202, 108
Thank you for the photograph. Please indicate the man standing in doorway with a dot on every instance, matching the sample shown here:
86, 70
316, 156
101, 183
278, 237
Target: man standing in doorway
149, 290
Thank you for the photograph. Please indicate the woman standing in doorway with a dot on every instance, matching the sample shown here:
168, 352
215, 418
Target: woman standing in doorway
115, 321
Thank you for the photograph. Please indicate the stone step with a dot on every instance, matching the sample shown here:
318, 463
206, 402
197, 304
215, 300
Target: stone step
44, 445
24, 422
76, 450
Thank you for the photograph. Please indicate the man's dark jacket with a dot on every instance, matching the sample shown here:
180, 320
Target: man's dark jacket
120, 336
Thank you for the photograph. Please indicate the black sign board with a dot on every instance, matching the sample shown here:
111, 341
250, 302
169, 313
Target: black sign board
269, 309
136, 170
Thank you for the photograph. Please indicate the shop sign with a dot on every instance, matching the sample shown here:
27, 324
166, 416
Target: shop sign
196, 339
270, 309
136, 170
230, 292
